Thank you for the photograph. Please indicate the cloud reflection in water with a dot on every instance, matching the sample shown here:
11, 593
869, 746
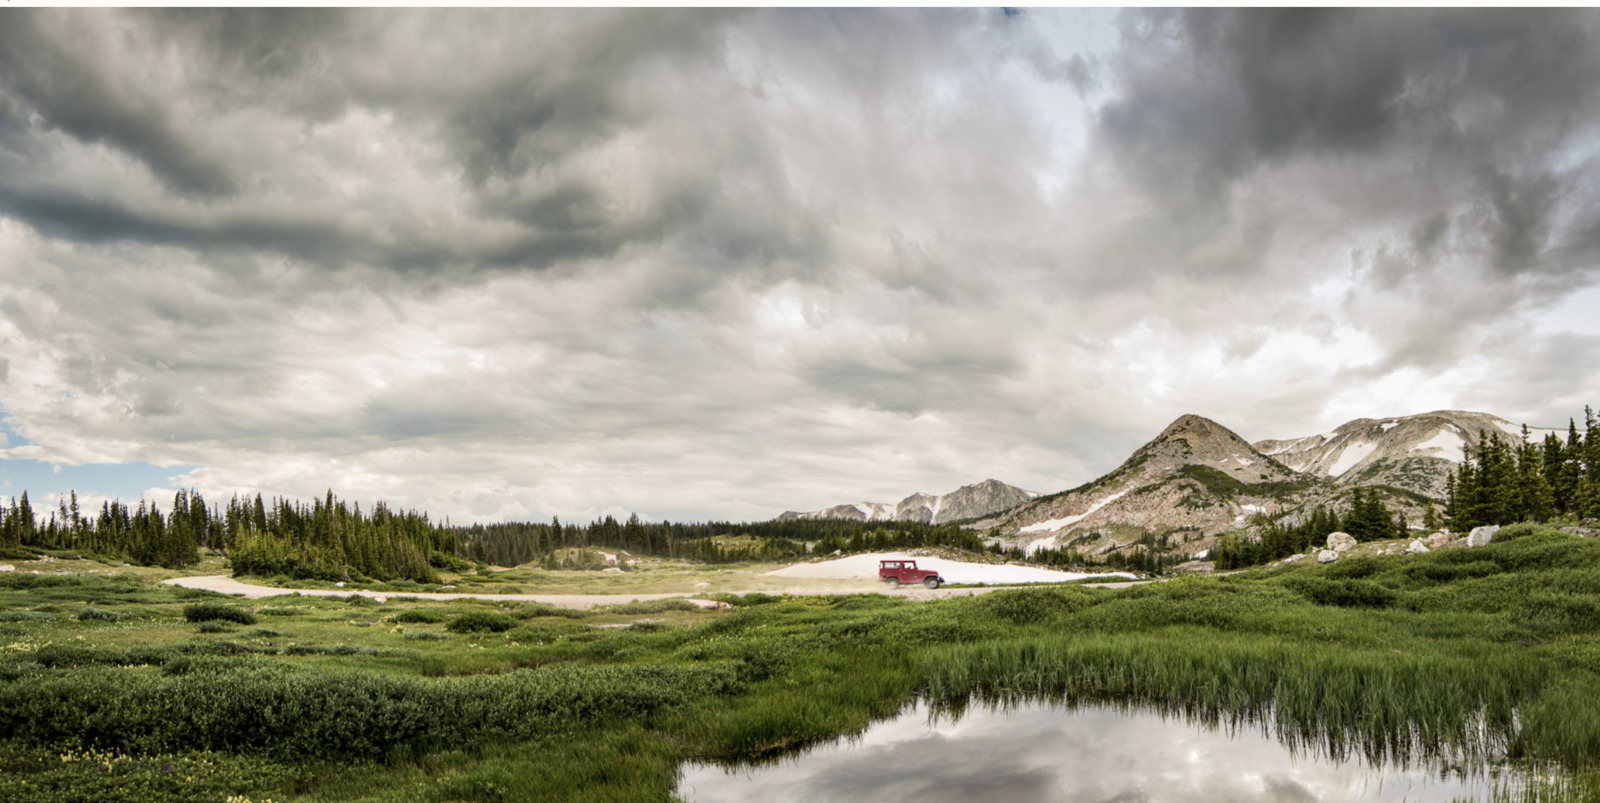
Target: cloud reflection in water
1042, 753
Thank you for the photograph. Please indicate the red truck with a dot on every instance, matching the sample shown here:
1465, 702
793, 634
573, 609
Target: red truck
895, 572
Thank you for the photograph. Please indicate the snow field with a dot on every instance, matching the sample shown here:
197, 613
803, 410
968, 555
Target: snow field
865, 567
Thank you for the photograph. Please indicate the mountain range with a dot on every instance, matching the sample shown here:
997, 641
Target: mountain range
1198, 479
967, 502
1413, 452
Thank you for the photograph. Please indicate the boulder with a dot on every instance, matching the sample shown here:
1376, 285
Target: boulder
1341, 542
1439, 539
1327, 556
1481, 536
8, 568
1581, 532
1294, 558
1417, 548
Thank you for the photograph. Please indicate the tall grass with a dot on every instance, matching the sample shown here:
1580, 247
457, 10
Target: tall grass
1333, 701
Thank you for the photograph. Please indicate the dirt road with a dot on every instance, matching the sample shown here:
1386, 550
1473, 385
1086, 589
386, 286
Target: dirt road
228, 585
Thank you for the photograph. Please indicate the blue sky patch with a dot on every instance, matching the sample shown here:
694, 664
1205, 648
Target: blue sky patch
125, 481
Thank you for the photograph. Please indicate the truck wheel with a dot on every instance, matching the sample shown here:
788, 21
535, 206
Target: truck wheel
894, 582
931, 582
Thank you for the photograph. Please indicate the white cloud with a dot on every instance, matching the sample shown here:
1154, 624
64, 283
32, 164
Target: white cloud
522, 263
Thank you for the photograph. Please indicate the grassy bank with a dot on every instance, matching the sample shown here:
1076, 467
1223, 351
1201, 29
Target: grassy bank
105, 683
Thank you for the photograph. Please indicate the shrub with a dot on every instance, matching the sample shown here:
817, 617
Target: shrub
62, 655
211, 611
25, 616
100, 614
198, 593
1027, 606
214, 626
1342, 593
479, 621
337, 649
23, 580
1353, 568
645, 606
1512, 532
530, 610
418, 616
423, 635
747, 600
1438, 571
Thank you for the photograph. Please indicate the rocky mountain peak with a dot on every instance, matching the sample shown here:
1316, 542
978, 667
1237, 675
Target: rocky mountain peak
1197, 440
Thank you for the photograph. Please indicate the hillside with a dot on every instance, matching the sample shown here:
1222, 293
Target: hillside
1193, 481
1415, 452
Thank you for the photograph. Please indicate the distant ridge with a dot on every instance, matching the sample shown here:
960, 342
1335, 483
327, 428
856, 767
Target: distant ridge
969, 501
1414, 452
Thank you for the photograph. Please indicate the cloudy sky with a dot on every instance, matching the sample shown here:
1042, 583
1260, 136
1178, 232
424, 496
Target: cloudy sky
523, 263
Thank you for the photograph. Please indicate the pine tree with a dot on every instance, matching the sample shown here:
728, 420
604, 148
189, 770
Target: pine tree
1536, 499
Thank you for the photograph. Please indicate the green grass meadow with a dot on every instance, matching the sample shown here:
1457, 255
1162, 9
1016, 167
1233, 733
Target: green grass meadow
113, 687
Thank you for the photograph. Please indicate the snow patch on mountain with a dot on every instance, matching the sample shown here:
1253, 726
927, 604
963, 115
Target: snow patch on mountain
1446, 445
1056, 524
1352, 454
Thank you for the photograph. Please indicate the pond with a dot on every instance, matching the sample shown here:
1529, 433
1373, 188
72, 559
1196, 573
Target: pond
1050, 753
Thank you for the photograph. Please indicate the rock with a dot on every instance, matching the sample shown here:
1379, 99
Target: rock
1294, 558
702, 585
381, 600
1439, 539
1581, 532
338, 585
1327, 556
1341, 542
8, 568
1481, 536
1417, 548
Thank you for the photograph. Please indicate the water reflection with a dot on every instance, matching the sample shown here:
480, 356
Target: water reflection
1046, 753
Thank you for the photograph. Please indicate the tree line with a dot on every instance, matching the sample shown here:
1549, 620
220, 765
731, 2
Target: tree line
332, 539
1365, 519
1502, 482
516, 543
143, 535
328, 539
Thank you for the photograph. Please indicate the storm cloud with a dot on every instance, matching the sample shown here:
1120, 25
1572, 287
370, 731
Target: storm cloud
718, 264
